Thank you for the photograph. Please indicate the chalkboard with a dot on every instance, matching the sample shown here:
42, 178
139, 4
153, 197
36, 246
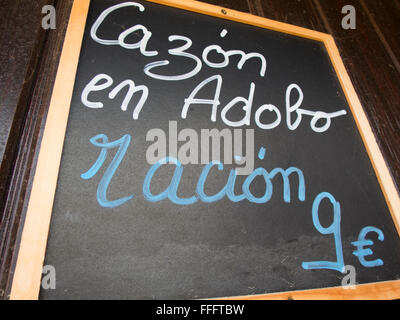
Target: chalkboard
207, 153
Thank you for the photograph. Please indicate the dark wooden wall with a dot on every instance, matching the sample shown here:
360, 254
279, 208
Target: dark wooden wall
29, 57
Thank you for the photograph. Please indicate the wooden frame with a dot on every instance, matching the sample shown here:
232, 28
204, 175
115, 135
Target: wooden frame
27, 275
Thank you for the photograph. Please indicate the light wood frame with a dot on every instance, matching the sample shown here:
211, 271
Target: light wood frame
28, 271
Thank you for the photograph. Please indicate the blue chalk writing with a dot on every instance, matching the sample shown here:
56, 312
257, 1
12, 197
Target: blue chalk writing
268, 186
334, 229
202, 179
101, 141
228, 190
361, 253
286, 183
172, 189
261, 153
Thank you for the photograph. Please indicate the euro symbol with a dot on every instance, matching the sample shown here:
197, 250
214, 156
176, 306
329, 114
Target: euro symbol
361, 253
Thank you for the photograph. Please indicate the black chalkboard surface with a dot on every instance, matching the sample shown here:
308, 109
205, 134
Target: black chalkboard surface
301, 215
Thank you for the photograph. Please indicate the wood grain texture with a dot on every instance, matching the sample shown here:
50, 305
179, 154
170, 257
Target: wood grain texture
301, 13
28, 268
239, 5
29, 59
19, 32
367, 53
385, 291
21, 42
371, 70
31, 119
